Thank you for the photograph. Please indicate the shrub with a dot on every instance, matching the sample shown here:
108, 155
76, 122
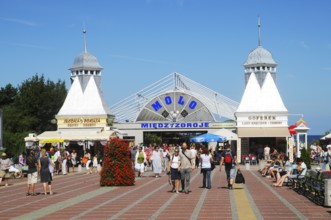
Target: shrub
116, 165
305, 155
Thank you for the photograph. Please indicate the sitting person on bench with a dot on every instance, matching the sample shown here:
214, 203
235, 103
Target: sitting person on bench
302, 169
286, 171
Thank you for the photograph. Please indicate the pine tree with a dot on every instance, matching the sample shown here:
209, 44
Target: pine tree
305, 156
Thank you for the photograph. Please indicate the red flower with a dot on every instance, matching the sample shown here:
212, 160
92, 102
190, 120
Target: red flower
116, 167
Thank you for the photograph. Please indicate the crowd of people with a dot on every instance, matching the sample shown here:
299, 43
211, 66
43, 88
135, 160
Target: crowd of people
178, 161
41, 164
320, 155
279, 169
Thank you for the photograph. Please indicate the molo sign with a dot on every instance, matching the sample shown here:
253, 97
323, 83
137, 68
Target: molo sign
168, 100
176, 106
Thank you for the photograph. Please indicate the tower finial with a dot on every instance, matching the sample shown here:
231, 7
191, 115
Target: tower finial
84, 32
259, 30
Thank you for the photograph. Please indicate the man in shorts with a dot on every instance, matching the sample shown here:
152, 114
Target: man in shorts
32, 163
229, 159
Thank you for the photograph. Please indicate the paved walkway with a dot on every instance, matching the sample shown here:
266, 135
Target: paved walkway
79, 196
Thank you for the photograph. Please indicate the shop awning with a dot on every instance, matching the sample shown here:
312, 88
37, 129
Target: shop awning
226, 133
263, 132
63, 135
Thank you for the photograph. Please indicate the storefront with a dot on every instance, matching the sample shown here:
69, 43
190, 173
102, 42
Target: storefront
175, 109
84, 121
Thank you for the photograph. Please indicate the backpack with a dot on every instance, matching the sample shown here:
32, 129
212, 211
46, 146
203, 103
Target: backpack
228, 158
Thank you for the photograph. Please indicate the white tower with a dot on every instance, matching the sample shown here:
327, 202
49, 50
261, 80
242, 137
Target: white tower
262, 117
85, 98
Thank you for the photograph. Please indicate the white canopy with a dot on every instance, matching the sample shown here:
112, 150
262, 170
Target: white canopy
226, 133
328, 136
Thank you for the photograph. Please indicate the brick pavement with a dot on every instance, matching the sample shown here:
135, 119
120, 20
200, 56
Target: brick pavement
79, 196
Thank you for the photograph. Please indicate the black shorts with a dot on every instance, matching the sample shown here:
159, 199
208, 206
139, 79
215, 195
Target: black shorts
175, 174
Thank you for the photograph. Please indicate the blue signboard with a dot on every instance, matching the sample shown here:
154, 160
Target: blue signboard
171, 125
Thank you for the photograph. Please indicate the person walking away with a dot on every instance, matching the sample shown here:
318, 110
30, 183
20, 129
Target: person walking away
206, 161
174, 169
133, 152
327, 158
157, 158
140, 162
4, 167
32, 163
267, 153
186, 166
194, 154
73, 159
229, 159
45, 175
58, 161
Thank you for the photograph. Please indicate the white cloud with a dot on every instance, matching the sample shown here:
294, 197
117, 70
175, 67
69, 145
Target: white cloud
20, 21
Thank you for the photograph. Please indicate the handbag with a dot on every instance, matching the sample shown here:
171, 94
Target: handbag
239, 178
50, 166
212, 167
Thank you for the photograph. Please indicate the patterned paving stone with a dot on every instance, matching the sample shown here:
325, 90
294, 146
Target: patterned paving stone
79, 196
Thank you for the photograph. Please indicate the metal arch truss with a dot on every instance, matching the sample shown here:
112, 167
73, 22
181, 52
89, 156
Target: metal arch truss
218, 105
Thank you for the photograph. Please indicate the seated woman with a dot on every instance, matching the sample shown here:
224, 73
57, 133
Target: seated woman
274, 168
285, 172
4, 167
265, 169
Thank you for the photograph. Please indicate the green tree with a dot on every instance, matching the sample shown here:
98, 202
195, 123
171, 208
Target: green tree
7, 95
152, 138
35, 104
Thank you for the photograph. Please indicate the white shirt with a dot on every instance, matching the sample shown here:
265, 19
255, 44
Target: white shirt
205, 161
304, 167
175, 162
194, 152
56, 155
266, 150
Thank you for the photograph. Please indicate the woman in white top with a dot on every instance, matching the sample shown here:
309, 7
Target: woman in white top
73, 159
174, 169
157, 159
206, 161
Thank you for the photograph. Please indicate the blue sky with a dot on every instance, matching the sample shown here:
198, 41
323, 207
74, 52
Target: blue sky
140, 41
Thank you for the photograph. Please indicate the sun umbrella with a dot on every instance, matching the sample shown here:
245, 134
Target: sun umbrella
208, 137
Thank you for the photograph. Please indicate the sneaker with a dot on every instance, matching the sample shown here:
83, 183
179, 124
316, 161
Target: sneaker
230, 187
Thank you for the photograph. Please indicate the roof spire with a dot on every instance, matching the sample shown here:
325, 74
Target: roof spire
259, 30
84, 32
